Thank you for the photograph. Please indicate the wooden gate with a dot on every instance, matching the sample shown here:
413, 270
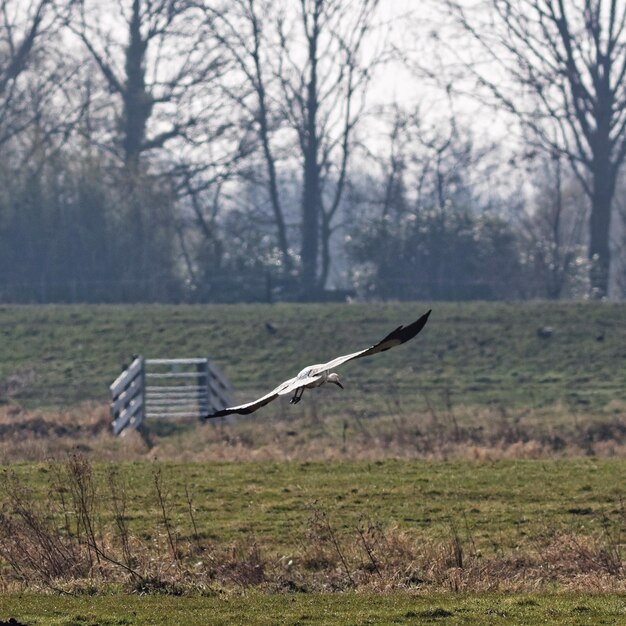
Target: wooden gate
167, 388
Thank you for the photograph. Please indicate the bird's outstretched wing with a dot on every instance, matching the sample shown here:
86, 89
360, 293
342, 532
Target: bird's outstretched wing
399, 336
283, 389
250, 407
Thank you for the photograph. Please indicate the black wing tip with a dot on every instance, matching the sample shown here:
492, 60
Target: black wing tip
423, 319
404, 333
421, 322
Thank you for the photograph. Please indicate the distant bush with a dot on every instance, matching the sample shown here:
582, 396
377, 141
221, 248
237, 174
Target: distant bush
447, 254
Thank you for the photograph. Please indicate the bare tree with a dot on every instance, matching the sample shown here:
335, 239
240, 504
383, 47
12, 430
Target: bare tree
241, 32
568, 60
437, 161
305, 79
158, 66
553, 229
18, 39
157, 105
324, 98
432, 228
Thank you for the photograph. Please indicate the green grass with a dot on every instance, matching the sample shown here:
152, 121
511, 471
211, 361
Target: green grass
499, 506
477, 355
339, 609
468, 353
507, 513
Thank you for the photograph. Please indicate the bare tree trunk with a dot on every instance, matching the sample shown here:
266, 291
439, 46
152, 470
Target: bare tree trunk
165, 59
571, 57
246, 54
270, 162
311, 58
559, 272
311, 187
326, 232
137, 101
599, 227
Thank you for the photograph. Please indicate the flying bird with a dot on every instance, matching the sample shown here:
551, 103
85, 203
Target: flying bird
316, 375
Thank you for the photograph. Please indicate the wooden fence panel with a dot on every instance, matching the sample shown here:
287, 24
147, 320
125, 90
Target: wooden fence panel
167, 388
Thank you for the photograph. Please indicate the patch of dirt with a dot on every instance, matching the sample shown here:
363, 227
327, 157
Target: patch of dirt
18, 423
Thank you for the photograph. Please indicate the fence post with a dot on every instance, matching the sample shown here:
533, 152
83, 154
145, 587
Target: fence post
203, 372
142, 416
140, 425
128, 396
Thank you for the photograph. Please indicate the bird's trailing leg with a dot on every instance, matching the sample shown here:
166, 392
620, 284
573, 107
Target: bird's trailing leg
297, 396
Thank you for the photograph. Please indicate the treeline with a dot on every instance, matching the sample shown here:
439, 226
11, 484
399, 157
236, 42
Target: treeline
199, 151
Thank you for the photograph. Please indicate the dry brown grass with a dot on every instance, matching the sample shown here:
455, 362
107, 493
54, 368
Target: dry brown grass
63, 542
465, 433
40, 435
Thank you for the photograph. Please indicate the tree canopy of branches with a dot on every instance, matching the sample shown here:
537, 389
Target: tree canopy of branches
29, 79
568, 60
241, 150
305, 83
427, 233
155, 63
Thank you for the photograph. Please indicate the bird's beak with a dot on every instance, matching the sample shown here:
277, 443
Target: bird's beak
338, 384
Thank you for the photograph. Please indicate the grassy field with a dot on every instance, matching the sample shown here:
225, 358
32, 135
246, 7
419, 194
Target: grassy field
469, 354
473, 476
517, 502
348, 610
430, 526
478, 382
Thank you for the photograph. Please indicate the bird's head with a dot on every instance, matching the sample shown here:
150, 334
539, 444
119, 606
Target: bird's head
334, 378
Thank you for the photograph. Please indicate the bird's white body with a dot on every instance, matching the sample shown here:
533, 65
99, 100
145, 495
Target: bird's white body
309, 378
313, 378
